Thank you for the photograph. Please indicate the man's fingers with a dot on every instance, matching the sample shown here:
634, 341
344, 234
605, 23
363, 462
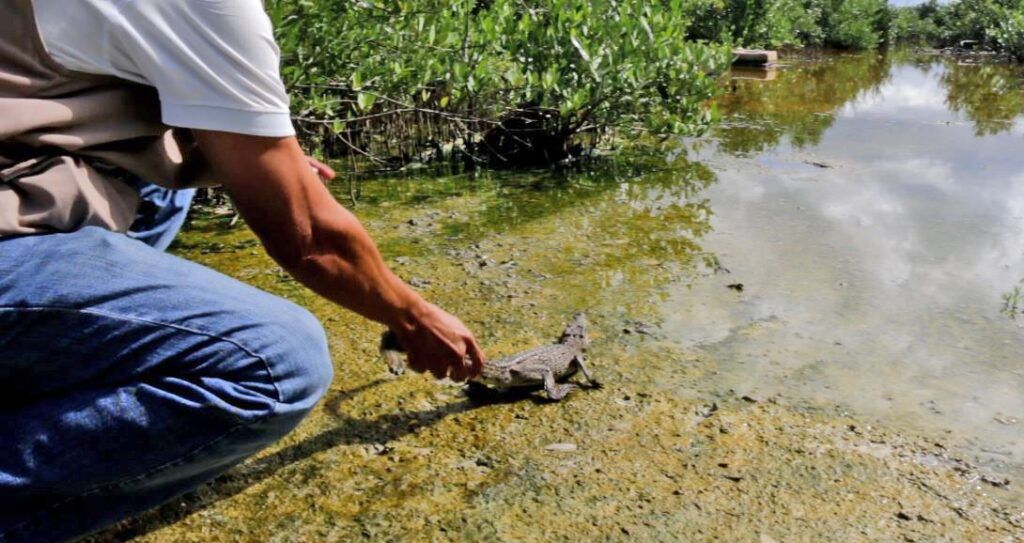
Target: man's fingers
420, 364
476, 358
458, 372
323, 170
439, 371
450, 359
457, 369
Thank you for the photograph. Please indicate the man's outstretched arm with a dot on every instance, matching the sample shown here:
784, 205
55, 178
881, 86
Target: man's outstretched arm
325, 247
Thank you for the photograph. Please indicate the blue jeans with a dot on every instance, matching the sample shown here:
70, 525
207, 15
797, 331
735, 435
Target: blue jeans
129, 376
161, 214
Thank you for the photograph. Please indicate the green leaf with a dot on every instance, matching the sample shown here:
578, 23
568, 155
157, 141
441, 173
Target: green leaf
365, 101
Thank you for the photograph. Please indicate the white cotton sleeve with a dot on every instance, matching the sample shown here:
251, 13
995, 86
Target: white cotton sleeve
214, 63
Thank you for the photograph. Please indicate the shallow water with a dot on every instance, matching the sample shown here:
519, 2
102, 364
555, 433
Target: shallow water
879, 235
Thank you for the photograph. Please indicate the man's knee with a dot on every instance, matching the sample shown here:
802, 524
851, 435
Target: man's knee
297, 356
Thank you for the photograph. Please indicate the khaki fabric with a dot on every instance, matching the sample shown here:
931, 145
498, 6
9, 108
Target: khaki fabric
69, 141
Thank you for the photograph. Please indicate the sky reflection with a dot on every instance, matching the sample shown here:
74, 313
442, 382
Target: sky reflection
874, 262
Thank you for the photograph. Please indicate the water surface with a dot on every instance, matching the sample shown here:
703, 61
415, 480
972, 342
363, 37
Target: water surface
873, 209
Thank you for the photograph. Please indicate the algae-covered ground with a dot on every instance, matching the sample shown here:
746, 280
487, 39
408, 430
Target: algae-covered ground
657, 455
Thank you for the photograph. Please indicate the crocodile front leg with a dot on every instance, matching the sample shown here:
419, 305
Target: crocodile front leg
578, 361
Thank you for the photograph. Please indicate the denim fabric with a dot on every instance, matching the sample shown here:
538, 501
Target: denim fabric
161, 214
129, 376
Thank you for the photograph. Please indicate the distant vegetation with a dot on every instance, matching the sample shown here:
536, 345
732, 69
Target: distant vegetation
843, 24
994, 25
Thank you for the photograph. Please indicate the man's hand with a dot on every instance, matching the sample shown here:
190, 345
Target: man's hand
434, 339
276, 190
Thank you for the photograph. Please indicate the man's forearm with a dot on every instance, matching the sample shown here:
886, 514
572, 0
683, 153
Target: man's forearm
343, 264
326, 248
306, 231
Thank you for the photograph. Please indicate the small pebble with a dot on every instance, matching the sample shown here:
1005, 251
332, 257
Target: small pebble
561, 447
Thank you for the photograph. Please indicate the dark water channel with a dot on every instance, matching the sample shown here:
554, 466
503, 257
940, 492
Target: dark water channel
873, 209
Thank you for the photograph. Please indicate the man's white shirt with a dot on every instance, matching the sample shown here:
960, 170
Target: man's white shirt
214, 63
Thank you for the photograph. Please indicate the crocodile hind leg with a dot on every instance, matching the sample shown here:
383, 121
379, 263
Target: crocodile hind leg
554, 390
594, 383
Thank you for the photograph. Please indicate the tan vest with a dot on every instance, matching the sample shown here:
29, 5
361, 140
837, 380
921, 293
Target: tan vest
69, 141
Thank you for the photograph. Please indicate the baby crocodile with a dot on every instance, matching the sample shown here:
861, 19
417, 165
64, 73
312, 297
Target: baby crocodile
546, 367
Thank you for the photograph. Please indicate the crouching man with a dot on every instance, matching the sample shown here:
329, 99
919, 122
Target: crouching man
129, 376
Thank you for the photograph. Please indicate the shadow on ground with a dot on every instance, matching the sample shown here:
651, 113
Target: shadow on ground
348, 431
